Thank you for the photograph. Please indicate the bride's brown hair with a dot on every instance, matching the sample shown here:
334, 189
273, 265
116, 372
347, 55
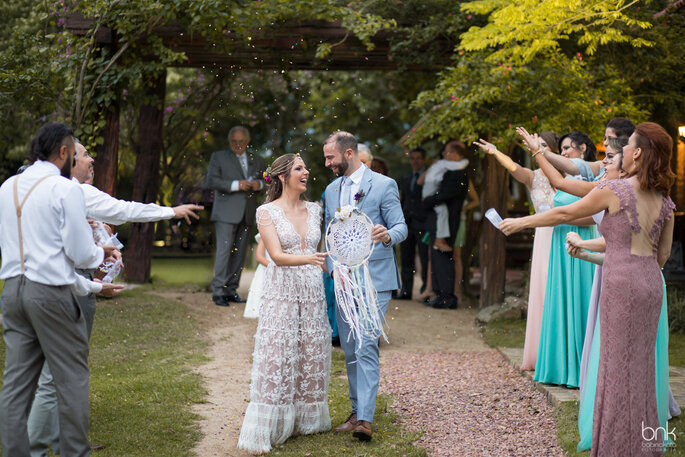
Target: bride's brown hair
281, 166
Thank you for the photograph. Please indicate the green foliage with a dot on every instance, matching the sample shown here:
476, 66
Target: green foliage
523, 29
475, 98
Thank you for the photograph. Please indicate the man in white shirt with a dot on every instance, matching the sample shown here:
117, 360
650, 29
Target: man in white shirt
44, 235
43, 424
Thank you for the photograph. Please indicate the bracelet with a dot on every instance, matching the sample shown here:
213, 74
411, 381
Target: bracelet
538, 152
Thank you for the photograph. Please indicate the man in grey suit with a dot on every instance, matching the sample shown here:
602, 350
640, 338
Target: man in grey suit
235, 175
376, 196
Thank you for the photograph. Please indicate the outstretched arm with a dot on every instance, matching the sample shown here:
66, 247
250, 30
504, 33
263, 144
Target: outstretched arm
576, 187
521, 174
595, 201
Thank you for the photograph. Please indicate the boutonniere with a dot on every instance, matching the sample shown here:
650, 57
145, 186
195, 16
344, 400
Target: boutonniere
359, 195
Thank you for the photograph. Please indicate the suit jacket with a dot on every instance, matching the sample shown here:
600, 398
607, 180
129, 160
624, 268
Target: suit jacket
453, 190
224, 168
412, 206
381, 203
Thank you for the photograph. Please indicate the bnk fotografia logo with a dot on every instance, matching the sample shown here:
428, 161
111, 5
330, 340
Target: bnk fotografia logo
651, 436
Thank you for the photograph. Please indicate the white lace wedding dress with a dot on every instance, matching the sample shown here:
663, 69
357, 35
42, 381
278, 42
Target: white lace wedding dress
292, 354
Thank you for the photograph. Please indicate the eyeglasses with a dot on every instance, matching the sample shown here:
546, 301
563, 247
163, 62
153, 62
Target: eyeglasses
239, 141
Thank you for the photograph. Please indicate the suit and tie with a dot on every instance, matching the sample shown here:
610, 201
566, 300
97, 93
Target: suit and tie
381, 203
415, 217
233, 213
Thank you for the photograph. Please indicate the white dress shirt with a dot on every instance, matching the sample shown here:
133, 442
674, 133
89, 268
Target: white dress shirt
56, 235
104, 208
350, 186
84, 286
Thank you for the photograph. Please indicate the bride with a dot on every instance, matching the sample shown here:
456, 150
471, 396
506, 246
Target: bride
292, 354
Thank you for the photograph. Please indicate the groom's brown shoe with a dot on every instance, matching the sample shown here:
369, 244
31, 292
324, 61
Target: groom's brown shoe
349, 424
363, 431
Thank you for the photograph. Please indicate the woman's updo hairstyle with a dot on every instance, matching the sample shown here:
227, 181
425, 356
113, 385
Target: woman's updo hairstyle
280, 167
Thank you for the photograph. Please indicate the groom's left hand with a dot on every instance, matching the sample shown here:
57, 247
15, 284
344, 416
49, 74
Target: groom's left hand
380, 233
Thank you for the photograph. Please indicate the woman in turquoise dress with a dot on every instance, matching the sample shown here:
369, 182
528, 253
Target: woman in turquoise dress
567, 295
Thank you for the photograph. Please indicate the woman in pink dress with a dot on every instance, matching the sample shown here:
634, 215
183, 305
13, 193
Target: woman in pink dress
542, 196
638, 229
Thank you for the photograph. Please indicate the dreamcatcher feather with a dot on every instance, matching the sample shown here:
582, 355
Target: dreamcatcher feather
349, 245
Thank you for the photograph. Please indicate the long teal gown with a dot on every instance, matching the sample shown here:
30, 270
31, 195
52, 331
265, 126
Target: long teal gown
564, 314
587, 399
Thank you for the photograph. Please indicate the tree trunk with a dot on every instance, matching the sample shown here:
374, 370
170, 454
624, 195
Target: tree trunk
107, 158
492, 241
146, 177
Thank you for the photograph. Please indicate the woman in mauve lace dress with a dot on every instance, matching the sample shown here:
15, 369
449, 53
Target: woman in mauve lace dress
292, 355
638, 229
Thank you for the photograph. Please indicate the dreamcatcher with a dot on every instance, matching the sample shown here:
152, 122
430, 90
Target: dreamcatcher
349, 245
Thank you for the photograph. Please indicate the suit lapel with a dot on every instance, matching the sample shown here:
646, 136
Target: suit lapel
365, 187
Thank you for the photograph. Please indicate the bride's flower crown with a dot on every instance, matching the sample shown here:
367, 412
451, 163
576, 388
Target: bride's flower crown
267, 175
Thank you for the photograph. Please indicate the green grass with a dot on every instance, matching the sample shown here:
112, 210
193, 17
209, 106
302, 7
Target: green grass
389, 439
508, 334
142, 350
181, 271
566, 416
676, 349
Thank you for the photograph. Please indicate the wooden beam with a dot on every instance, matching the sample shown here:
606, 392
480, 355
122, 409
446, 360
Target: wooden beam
287, 46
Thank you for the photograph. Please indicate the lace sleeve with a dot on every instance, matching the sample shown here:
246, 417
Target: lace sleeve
317, 212
667, 208
264, 216
624, 191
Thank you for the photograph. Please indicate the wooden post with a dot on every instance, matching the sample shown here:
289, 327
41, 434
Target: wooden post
146, 176
492, 241
107, 158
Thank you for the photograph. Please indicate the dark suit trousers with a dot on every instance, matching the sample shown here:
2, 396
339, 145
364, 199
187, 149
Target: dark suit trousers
231, 248
442, 272
408, 255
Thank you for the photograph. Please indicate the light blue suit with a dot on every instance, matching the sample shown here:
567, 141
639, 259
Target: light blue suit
381, 202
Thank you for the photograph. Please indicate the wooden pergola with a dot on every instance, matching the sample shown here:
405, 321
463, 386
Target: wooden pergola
289, 46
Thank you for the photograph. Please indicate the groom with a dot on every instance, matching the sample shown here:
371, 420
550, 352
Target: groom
376, 196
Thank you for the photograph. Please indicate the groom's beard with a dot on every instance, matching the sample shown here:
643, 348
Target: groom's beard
342, 168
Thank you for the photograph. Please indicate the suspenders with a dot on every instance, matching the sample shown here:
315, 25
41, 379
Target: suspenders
18, 207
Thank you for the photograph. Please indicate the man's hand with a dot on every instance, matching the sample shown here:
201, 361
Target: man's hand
244, 185
112, 254
255, 185
109, 290
380, 233
187, 211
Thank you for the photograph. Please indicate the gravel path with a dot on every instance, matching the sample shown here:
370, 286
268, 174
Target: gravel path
469, 404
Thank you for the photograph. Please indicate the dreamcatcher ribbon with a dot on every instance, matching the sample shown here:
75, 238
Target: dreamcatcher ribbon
349, 245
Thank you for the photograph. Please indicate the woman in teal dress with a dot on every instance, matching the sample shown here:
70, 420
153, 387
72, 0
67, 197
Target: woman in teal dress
569, 283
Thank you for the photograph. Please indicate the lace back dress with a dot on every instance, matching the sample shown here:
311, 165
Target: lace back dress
292, 355
630, 305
